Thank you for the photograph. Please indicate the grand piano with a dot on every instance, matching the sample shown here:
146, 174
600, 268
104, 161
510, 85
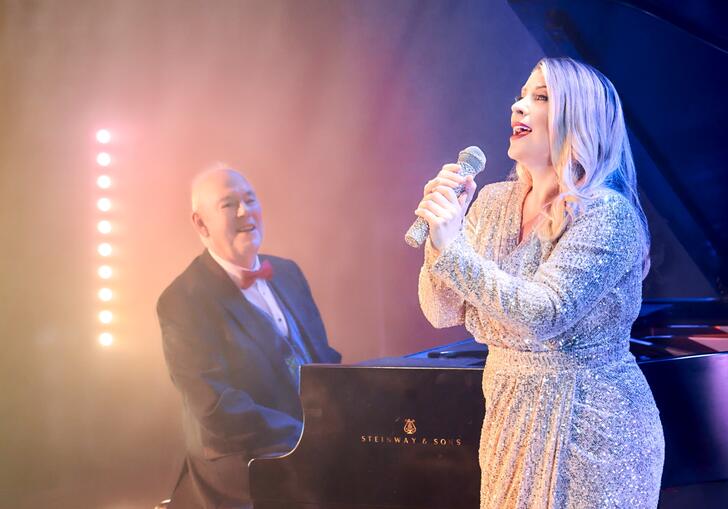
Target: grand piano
403, 432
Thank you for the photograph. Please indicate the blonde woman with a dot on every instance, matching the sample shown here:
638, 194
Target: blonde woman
547, 269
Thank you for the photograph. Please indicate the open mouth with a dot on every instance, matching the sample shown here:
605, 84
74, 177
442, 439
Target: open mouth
520, 130
246, 228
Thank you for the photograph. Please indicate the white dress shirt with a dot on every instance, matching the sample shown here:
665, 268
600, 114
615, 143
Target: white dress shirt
259, 293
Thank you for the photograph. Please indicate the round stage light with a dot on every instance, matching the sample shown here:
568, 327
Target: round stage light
103, 204
103, 159
106, 339
104, 181
104, 226
105, 316
103, 136
105, 294
104, 249
105, 272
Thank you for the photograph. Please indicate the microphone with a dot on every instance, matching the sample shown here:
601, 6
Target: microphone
472, 162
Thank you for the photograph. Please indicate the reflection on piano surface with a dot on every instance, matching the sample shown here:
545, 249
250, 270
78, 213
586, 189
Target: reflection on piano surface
403, 432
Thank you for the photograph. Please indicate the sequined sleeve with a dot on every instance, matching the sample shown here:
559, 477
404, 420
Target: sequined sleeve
441, 305
596, 250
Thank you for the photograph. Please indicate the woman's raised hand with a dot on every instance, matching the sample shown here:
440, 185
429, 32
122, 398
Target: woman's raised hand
441, 208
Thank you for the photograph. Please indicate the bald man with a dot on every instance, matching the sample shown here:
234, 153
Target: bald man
236, 327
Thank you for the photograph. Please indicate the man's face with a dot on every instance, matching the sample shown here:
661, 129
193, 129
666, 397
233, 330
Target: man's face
229, 217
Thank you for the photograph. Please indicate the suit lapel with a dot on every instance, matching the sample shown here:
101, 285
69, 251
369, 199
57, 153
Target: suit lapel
292, 299
252, 321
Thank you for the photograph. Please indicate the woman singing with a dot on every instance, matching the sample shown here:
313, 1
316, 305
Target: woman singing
547, 269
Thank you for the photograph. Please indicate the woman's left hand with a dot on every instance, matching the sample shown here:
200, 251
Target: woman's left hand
442, 209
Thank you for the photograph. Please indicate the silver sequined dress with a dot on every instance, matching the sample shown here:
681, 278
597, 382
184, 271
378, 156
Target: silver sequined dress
570, 420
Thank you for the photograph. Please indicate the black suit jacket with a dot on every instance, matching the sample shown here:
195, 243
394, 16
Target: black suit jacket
225, 358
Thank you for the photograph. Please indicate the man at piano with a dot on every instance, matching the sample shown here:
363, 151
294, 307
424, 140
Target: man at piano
547, 269
236, 327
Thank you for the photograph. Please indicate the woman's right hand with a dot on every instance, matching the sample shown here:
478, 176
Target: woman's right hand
442, 208
448, 176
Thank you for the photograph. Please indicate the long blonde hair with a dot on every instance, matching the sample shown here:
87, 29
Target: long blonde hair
590, 149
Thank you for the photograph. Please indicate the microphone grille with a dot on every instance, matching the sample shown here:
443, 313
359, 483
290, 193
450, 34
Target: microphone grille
472, 159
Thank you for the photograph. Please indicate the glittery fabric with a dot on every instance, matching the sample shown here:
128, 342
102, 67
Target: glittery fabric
570, 420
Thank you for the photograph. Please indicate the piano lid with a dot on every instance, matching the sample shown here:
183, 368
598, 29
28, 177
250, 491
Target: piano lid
669, 62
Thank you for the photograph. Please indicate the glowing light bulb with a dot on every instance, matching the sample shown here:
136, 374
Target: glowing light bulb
105, 272
103, 159
104, 181
104, 226
104, 249
106, 339
105, 316
103, 136
105, 294
103, 204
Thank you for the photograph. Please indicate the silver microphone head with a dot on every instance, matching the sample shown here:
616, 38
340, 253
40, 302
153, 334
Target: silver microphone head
471, 160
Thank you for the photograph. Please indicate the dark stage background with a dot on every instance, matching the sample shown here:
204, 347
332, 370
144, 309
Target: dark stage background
338, 112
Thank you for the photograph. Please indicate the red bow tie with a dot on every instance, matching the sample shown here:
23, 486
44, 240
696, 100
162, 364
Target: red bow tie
249, 276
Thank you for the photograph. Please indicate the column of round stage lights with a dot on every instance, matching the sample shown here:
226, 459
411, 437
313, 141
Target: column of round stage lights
104, 228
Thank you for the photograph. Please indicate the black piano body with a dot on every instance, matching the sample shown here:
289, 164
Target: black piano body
404, 432
377, 437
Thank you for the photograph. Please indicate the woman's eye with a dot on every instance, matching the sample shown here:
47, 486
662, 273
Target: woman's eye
542, 98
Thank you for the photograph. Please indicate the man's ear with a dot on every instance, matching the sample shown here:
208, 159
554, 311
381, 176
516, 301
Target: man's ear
200, 225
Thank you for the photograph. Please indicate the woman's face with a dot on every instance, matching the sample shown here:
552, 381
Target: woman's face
530, 122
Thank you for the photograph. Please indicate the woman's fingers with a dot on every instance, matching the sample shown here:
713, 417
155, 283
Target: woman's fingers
440, 210
467, 196
427, 216
451, 168
446, 192
449, 176
445, 202
441, 181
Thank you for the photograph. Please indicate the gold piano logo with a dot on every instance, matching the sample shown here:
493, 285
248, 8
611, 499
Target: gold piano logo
409, 426
410, 438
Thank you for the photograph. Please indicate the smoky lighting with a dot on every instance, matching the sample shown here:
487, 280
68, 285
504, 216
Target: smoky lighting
103, 159
103, 204
104, 249
104, 181
105, 316
106, 339
105, 272
103, 136
104, 227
